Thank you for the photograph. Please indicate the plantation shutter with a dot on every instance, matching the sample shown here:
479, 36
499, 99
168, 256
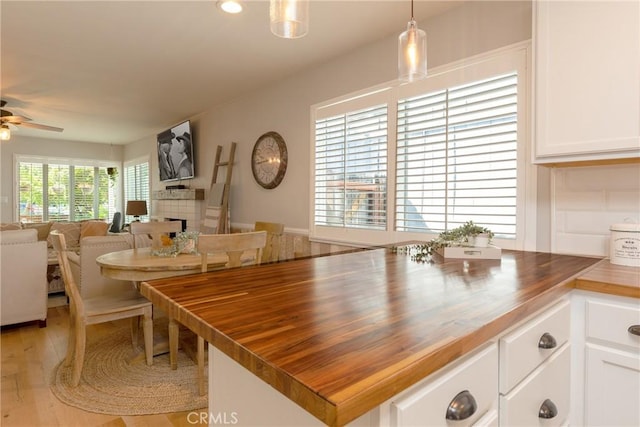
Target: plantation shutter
136, 185
60, 196
457, 157
30, 191
351, 169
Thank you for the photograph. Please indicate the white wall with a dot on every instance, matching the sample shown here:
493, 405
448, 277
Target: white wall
285, 107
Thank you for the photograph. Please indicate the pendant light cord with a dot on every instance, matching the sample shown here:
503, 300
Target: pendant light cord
412, 10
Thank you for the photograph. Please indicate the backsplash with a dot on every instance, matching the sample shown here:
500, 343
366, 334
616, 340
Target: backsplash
586, 201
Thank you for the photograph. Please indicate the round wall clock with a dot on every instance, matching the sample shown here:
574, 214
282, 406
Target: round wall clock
269, 160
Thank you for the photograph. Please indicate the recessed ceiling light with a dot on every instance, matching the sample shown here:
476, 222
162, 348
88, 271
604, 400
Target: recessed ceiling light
230, 6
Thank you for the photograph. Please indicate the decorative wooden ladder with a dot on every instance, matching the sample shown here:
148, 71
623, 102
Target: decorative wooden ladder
217, 214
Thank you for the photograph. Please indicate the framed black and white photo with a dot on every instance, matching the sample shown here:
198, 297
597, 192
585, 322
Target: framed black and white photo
175, 153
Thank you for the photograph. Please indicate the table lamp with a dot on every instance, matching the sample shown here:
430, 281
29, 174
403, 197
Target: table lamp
136, 208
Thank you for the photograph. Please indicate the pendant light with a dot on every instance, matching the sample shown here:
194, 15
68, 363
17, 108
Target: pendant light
5, 133
412, 52
289, 18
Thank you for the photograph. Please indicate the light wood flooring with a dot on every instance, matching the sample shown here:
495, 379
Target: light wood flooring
29, 354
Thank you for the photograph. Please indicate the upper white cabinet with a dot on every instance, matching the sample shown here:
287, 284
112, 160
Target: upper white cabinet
587, 80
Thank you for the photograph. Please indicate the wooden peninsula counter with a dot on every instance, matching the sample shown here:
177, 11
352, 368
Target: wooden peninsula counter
339, 335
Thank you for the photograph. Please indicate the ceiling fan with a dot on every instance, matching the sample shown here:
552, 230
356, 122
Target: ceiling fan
7, 118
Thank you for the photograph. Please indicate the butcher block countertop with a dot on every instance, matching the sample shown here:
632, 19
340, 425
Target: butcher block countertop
608, 278
341, 334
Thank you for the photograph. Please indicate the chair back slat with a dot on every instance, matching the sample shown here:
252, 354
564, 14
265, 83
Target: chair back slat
70, 286
275, 232
234, 245
155, 229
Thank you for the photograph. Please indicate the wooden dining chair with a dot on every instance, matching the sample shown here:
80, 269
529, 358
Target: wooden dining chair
275, 232
155, 229
241, 249
99, 309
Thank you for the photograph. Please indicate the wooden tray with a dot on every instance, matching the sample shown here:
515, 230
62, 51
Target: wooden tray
470, 252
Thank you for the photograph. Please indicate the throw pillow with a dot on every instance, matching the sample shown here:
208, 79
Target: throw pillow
41, 227
6, 226
71, 231
93, 228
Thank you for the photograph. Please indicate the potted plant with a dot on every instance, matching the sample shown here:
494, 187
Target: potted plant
464, 235
113, 175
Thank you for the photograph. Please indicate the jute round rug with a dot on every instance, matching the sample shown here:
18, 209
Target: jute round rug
116, 382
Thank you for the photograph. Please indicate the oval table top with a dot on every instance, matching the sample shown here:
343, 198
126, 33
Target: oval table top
138, 264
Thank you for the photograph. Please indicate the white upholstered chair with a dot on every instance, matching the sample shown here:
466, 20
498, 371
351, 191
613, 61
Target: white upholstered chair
99, 309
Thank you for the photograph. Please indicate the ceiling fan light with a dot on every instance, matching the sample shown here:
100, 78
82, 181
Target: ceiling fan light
5, 133
230, 6
289, 19
412, 52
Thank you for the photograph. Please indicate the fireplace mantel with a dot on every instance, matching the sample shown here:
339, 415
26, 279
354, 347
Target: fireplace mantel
185, 194
184, 204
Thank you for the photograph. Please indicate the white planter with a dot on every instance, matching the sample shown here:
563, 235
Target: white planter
479, 241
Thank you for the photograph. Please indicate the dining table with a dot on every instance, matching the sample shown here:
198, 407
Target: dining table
142, 264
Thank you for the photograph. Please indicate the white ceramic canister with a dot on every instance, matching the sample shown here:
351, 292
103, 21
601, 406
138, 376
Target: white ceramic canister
624, 248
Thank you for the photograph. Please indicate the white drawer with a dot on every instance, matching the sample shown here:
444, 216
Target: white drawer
521, 351
427, 403
610, 321
521, 407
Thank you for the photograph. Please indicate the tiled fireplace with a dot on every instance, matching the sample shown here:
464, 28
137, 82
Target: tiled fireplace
179, 204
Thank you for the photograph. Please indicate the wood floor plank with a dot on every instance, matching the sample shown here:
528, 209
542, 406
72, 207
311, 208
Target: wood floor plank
28, 357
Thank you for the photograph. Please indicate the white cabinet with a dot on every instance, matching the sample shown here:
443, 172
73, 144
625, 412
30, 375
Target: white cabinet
587, 85
524, 380
462, 395
613, 387
610, 359
542, 398
535, 364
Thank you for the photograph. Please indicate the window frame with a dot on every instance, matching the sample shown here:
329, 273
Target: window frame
510, 58
47, 161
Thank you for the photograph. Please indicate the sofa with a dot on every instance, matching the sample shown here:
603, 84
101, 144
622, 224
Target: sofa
73, 231
23, 277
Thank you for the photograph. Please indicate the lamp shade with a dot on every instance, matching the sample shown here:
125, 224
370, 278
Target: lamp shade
289, 18
136, 207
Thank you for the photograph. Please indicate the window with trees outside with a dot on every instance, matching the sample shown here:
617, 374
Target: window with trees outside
52, 189
404, 162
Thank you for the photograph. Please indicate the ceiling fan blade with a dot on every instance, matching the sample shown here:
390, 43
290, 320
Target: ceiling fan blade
15, 119
41, 127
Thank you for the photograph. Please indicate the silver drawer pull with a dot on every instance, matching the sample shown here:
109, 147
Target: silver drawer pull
547, 410
634, 329
547, 341
462, 406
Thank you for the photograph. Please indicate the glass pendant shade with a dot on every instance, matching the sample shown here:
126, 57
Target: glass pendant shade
289, 18
5, 133
412, 53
